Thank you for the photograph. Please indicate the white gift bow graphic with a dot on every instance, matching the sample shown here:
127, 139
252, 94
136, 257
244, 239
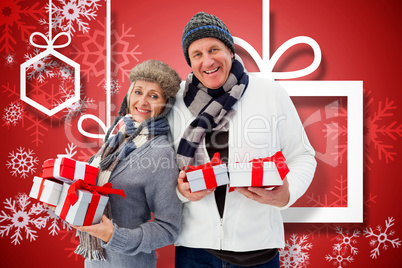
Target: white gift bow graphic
50, 42
264, 64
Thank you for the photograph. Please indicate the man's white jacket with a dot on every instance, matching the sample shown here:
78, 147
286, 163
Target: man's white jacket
265, 122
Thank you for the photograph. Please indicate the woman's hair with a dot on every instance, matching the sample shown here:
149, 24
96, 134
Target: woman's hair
158, 72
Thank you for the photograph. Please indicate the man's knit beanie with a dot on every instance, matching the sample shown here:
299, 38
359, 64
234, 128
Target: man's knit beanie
203, 25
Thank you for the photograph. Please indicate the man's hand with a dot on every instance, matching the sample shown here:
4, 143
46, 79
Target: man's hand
184, 189
102, 230
279, 196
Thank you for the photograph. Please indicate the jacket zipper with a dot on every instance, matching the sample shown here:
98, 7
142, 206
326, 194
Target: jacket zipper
221, 233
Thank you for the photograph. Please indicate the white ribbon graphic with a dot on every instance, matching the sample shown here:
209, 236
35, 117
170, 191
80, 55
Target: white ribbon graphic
108, 94
50, 50
50, 42
265, 64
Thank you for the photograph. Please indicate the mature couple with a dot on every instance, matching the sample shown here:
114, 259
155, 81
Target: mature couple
220, 109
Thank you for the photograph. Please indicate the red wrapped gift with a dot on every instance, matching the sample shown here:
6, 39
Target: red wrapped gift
268, 171
207, 176
82, 204
69, 170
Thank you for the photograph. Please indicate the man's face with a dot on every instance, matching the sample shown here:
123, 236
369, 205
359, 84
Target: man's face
211, 61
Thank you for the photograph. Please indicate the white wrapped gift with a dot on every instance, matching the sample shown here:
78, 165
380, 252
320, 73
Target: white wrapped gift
241, 175
85, 211
46, 191
202, 179
268, 171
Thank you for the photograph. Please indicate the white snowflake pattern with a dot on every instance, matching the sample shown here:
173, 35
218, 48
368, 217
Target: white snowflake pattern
114, 86
21, 218
72, 13
346, 241
40, 69
70, 151
22, 162
54, 221
382, 238
9, 59
35, 126
56, 23
13, 114
78, 107
340, 257
65, 73
295, 253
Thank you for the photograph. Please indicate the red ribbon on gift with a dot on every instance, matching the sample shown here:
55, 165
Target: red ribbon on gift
207, 170
258, 168
41, 186
67, 170
96, 194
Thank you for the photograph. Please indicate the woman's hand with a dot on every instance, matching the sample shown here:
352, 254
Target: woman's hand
184, 189
102, 230
279, 196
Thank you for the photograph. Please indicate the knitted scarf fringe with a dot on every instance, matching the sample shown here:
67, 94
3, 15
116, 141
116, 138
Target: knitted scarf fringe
92, 255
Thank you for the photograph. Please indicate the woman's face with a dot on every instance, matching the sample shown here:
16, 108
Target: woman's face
146, 100
211, 61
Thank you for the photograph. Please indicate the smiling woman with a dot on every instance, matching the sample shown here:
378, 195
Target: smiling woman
146, 100
140, 160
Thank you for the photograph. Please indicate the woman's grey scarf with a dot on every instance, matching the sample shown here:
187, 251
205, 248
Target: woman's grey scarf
212, 108
130, 137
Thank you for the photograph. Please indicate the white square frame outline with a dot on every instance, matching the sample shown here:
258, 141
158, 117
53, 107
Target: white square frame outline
353, 212
353, 90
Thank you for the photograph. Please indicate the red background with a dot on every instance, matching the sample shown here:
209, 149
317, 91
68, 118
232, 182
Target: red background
359, 40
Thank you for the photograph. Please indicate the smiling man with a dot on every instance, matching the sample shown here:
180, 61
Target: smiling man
211, 61
224, 109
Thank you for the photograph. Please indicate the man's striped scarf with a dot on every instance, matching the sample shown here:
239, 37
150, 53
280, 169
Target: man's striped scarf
212, 108
130, 137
